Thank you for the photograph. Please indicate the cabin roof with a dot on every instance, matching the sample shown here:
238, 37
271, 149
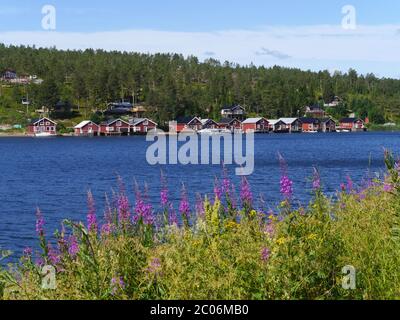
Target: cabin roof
289, 120
34, 121
137, 121
349, 120
227, 120
310, 120
274, 121
253, 120
84, 124
111, 121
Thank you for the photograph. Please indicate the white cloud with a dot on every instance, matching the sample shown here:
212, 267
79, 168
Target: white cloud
368, 48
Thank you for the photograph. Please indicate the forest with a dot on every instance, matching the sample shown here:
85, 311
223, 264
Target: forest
172, 85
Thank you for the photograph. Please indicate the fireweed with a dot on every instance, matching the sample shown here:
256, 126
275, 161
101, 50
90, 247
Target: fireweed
285, 253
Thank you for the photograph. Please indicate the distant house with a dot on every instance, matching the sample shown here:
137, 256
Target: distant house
209, 124
114, 127
9, 74
139, 111
231, 124
184, 123
87, 128
142, 125
310, 124
292, 124
255, 125
120, 108
334, 103
315, 111
352, 124
42, 126
328, 125
234, 112
277, 125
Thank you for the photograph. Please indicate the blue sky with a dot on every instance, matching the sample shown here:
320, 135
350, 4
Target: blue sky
265, 32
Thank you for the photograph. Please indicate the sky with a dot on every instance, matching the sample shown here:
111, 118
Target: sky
306, 34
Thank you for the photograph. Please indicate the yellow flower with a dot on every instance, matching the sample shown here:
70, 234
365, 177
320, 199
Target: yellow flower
253, 213
281, 241
312, 236
231, 225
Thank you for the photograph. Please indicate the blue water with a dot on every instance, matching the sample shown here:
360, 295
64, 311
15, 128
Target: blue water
55, 174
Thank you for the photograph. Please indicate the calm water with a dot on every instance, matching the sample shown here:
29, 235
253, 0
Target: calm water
55, 174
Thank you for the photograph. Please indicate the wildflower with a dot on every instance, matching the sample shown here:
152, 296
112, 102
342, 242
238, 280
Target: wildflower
265, 254
53, 255
154, 266
387, 187
269, 229
281, 241
245, 193
117, 284
39, 223
316, 180
73, 246
164, 191
123, 209
107, 227
312, 236
172, 218
199, 206
184, 208
91, 216
286, 187
217, 190
28, 252
350, 185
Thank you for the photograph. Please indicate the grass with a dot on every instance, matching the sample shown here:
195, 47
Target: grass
225, 248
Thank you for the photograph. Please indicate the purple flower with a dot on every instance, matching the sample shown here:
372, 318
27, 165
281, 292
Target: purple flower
154, 266
245, 193
199, 206
387, 187
143, 210
73, 246
39, 223
164, 191
117, 284
265, 254
285, 183
269, 229
184, 207
53, 255
91, 216
217, 190
172, 219
316, 180
123, 209
28, 252
286, 187
350, 185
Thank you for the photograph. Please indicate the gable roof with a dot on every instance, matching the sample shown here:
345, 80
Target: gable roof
137, 121
289, 120
349, 120
227, 120
111, 121
34, 121
84, 124
186, 120
207, 121
325, 120
275, 121
253, 120
310, 120
233, 108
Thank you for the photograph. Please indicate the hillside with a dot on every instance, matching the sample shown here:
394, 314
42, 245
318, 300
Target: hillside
175, 86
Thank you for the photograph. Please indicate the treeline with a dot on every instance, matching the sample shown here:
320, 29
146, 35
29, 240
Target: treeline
173, 85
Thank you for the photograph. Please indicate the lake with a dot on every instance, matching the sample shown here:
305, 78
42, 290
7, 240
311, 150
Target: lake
55, 174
